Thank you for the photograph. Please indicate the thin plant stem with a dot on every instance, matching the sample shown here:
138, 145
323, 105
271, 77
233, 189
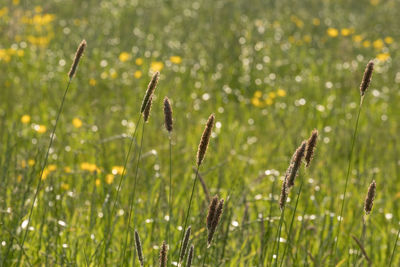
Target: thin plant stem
394, 248
170, 193
188, 210
42, 171
131, 206
205, 254
278, 236
347, 176
291, 224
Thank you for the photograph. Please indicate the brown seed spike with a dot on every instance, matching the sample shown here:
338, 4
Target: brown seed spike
295, 164
146, 113
168, 115
369, 200
211, 211
284, 194
78, 55
217, 218
139, 248
311, 144
190, 256
185, 243
367, 77
205, 139
163, 255
150, 90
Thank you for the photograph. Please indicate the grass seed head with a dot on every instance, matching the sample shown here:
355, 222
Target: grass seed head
139, 248
190, 256
215, 222
150, 90
284, 194
295, 164
367, 77
211, 211
168, 115
205, 139
311, 144
185, 243
146, 113
78, 55
369, 200
163, 255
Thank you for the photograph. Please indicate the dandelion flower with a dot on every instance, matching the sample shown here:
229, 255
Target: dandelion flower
77, 123
124, 56
25, 119
332, 32
176, 59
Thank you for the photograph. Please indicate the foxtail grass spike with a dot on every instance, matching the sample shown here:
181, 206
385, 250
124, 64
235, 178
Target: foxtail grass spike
190, 256
369, 200
163, 255
211, 211
168, 115
367, 77
139, 248
150, 90
78, 55
185, 243
295, 164
146, 113
284, 194
310, 148
205, 139
216, 219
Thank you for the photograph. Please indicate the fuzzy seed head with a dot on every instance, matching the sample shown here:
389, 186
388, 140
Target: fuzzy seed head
78, 55
146, 113
163, 255
168, 115
295, 164
139, 248
369, 200
150, 90
367, 77
190, 256
211, 211
205, 139
216, 219
284, 194
311, 144
185, 243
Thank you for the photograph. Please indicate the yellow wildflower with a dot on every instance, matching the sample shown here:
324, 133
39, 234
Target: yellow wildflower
137, 74
357, 38
256, 102
40, 129
346, 31
31, 162
383, 56
156, 66
92, 82
67, 169
86, 166
389, 40
176, 59
366, 43
97, 182
64, 186
374, 2
52, 167
332, 32
109, 178
139, 61
378, 44
124, 56
307, 38
3, 11
25, 119
113, 74
269, 101
19, 178
272, 95
38, 9
15, 2
316, 21
258, 94
23, 164
117, 170
77, 123
281, 92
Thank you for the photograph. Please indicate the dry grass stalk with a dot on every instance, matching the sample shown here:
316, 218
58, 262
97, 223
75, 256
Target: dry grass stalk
367, 77
139, 248
362, 249
78, 55
369, 200
310, 148
168, 115
150, 90
205, 139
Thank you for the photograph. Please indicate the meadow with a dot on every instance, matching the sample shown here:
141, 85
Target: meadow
269, 71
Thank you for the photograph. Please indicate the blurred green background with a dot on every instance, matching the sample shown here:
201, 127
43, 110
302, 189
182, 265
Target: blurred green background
271, 71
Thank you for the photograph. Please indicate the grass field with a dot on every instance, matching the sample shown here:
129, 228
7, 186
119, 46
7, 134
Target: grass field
270, 72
